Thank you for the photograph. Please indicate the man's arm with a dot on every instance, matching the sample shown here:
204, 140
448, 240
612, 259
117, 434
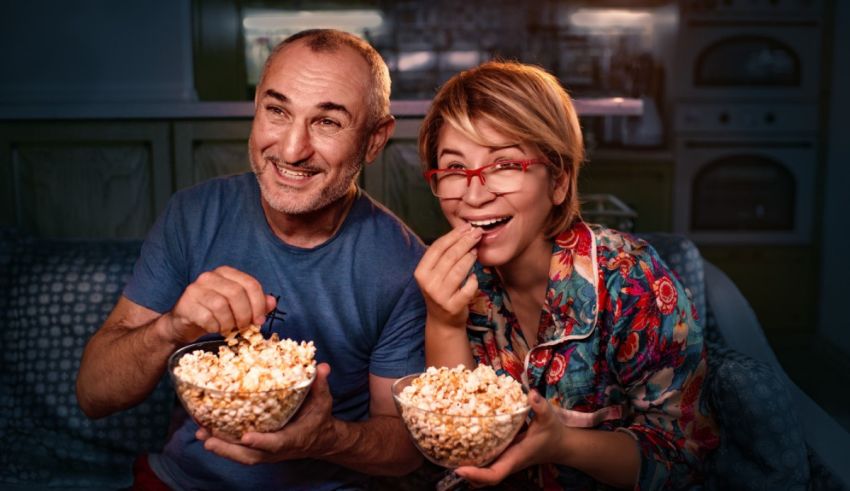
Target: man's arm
381, 445
123, 361
126, 357
378, 446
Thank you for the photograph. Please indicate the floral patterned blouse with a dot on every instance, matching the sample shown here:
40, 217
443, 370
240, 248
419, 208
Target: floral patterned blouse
619, 348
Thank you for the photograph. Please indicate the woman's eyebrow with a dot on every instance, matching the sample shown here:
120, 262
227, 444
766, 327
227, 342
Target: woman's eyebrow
449, 151
496, 148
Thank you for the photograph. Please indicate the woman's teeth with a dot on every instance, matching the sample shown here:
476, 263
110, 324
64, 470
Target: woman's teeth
490, 223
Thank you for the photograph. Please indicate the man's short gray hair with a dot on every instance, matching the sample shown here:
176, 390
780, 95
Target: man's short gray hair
330, 40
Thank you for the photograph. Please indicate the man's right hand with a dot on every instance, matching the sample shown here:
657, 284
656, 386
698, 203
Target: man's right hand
217, 302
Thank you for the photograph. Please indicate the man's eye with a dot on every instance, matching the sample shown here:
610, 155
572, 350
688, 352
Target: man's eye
274, 110
329, 123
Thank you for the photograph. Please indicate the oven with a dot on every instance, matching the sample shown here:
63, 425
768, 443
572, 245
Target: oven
745, 172
753, 49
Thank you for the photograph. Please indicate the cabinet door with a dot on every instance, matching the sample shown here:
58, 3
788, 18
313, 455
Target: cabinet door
778, 281
645, 186
84, 179
205, 149
395, 179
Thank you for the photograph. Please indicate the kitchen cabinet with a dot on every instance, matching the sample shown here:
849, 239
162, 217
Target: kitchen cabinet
642, 179
780, 282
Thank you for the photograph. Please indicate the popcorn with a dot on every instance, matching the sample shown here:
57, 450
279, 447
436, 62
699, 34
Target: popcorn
251, 384
462, 417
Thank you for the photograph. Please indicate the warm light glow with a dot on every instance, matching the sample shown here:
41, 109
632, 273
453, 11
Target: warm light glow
416, 60
354, 21
602, 18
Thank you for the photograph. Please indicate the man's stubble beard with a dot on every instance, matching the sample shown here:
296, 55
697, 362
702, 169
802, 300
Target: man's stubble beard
286, 200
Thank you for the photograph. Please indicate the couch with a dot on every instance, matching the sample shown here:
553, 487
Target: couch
55, 293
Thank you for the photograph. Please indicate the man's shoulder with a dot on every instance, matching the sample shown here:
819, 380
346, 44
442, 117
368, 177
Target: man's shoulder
388, 229
218, 187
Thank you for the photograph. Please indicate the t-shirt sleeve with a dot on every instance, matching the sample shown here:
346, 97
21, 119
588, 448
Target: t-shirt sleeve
400, 348
160, 273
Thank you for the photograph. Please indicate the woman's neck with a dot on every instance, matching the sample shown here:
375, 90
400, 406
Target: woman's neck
525, 279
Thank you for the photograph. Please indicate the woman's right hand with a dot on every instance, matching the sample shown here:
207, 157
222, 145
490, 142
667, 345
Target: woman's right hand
217, 302
443, 275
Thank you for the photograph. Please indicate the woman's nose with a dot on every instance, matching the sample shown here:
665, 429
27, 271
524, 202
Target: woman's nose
477, 193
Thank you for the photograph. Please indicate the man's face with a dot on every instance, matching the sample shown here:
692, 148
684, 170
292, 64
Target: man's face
309, 136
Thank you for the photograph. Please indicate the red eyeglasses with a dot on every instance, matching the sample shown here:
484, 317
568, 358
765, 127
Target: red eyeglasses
502, 177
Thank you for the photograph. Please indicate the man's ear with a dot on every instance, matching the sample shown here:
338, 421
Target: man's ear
379, 137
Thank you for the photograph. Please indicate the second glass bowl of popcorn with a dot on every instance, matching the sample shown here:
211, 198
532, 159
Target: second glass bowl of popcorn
220, 398
458, 417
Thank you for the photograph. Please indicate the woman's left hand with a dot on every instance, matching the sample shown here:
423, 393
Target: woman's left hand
542, 443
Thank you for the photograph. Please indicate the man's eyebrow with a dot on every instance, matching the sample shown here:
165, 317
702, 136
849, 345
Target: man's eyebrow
276, 95
333, 106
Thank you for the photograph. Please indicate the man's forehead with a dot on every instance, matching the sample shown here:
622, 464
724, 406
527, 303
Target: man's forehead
335, 76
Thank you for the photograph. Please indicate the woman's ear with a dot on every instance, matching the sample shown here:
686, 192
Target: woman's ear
560, 188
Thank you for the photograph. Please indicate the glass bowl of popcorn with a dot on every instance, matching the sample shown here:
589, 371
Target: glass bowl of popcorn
244, 383
459, 417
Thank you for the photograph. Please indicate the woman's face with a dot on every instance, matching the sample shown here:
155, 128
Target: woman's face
511, 221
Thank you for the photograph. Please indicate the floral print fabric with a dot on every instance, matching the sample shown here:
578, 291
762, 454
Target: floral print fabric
619, 348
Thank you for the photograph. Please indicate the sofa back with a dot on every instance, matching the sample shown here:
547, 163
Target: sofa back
54, 294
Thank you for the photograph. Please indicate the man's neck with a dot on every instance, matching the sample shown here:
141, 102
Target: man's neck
311, 229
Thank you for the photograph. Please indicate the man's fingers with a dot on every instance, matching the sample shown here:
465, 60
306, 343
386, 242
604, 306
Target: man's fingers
250, 296
236, 452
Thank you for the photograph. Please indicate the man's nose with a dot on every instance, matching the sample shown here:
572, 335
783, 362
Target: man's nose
477, 193
296, 143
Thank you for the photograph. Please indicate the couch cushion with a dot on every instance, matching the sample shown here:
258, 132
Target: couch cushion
56, 294
762, 442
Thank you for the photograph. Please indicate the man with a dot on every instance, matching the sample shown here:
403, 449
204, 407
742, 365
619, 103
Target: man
300, 228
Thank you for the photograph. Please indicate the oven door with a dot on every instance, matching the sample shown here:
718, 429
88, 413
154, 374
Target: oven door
753, 62
745, 191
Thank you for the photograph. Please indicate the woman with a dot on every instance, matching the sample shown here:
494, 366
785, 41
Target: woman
587, 318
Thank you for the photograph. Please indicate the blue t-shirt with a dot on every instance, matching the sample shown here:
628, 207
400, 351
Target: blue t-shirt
354, 296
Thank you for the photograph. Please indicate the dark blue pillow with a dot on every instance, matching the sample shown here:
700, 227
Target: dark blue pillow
762, 443
54, 295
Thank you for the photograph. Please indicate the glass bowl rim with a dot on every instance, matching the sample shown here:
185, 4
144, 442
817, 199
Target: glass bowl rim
210, 343
395, 392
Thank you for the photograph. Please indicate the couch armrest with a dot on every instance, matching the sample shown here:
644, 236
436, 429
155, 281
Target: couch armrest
741, 331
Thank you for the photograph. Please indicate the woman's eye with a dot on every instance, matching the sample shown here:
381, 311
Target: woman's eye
455, 166
508, 165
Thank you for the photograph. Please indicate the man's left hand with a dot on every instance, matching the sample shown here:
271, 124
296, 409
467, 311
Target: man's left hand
310, 433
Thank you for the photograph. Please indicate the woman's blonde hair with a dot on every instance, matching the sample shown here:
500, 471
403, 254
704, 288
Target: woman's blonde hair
523, 103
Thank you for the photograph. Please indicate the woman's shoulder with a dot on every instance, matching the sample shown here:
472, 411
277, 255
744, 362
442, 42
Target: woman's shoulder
612, 243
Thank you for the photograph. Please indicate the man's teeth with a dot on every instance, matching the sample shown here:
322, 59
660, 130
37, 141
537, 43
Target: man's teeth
487, 223
293, 173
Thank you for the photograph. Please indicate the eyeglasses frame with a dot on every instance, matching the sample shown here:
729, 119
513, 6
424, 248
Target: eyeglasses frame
479, 172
